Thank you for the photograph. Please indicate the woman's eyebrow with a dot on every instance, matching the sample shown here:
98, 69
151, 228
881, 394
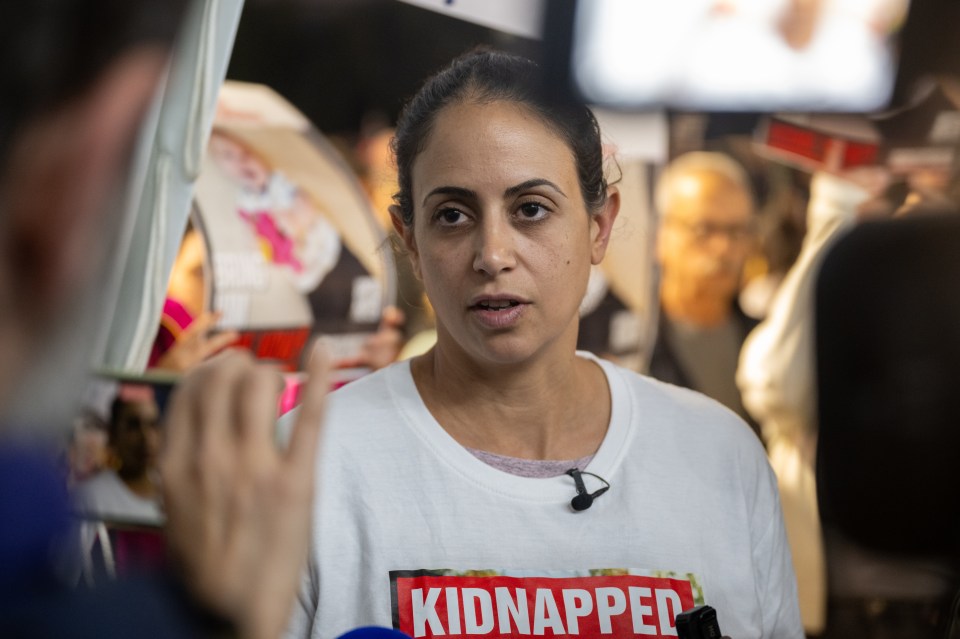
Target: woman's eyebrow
529, 184
456, 191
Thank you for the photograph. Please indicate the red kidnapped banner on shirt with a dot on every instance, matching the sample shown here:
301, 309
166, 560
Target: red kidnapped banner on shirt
427, 605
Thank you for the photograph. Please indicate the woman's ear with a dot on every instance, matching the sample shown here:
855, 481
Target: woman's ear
405, 232
601, 225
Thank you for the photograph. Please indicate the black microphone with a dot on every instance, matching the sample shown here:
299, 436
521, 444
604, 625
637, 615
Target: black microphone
583, 499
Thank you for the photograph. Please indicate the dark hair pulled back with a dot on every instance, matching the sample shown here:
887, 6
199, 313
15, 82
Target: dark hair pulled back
489, 76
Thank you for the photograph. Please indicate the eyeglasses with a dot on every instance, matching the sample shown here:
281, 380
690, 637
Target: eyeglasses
703, 231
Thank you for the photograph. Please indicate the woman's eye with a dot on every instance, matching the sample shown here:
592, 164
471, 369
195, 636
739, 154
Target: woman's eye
450, 217
532, 211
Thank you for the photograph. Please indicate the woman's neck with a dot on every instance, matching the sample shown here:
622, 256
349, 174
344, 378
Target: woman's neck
540, 410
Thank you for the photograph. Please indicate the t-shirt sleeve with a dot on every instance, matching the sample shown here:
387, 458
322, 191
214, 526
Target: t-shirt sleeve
779, 606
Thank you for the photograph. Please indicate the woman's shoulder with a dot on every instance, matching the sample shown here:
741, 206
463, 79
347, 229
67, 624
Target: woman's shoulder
684, 412
683, 428
104, 481
105, 495
370, 389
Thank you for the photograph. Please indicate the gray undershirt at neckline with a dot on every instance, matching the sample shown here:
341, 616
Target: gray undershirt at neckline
534, 468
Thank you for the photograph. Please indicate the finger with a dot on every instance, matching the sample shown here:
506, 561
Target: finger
218, 392
181, 426
260, 391
349, 362
217, 342
201, 325
215, 459
183, 459
177, 438
392, 317
302, 449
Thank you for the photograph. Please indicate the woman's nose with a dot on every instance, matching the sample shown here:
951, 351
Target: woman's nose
495, 250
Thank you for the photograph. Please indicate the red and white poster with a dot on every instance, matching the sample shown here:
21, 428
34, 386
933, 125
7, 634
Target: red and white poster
293, 249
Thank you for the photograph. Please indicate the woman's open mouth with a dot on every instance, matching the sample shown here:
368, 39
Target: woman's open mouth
497, 305
498, 313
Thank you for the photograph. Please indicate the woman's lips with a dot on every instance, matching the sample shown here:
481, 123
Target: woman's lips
499, 313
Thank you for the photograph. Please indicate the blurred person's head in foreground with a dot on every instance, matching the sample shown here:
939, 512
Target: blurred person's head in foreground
77, 78
706, 210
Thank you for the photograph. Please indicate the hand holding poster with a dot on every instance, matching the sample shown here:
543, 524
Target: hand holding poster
293, 248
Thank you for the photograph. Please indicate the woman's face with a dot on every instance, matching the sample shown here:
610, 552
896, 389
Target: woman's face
501, 237
137, 438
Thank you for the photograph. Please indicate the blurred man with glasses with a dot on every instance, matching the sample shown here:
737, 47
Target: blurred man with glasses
706, 209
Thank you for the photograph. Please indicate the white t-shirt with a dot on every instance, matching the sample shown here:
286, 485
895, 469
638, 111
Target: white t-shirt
414, 531
105, 496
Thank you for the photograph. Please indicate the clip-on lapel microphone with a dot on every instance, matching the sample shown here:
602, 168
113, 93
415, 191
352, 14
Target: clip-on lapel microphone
583, 499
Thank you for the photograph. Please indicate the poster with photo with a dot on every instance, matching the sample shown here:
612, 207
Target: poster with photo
293, 249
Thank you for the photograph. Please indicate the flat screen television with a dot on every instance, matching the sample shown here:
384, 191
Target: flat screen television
727, 55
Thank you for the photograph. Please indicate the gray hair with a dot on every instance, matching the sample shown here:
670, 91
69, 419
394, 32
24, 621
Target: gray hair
698, 162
